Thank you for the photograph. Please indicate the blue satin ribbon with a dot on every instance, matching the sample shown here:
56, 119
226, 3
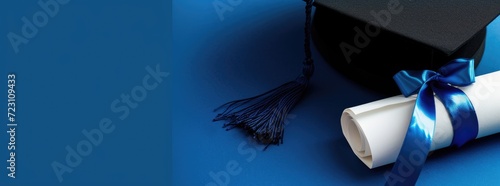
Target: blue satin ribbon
418, 139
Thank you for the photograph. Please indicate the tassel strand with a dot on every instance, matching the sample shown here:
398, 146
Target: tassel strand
263, 116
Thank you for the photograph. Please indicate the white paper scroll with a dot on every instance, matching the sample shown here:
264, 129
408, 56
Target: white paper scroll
375, 131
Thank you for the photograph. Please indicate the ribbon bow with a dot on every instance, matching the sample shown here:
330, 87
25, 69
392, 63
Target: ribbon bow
418, 139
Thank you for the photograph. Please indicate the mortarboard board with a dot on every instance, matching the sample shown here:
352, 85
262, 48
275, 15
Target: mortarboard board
370, 41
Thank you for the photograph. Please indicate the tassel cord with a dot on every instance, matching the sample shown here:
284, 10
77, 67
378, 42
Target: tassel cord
264, 116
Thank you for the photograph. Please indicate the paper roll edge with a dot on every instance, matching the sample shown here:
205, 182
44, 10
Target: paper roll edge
355, 137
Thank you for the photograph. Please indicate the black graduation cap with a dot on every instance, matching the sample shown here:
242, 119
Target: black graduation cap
371, 40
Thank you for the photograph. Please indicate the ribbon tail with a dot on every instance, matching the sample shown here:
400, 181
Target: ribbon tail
417, 142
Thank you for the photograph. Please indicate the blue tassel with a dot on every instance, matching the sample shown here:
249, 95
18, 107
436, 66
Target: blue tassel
263, 116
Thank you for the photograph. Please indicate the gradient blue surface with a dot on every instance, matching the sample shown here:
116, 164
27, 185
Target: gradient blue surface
79, 62
255, 46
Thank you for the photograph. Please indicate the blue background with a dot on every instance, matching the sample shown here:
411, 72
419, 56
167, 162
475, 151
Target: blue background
258, 46
91, 52
68, 75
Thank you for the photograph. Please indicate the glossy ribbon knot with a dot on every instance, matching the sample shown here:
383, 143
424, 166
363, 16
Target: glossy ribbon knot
418, 139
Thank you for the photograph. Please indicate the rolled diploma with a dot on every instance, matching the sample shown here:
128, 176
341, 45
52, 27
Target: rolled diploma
376, 130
